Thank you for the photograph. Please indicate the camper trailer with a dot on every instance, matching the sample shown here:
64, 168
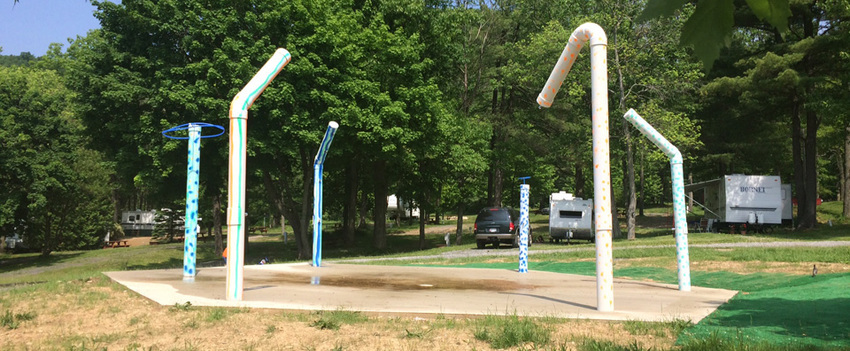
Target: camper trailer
398, 207
570, 217
739, 198
138, 222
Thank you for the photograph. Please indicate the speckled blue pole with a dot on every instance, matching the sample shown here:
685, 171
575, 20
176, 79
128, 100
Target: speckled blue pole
318, 170
190, 222
679, 209
523, 228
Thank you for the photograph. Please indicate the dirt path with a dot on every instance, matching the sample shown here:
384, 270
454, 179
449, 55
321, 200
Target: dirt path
438, 229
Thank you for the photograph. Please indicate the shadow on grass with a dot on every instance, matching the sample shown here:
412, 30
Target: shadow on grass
166, 264
18, 262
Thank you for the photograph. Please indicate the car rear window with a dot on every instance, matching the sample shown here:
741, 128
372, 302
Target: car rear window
493, 214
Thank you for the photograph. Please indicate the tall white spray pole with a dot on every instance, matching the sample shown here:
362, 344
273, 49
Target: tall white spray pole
679, 209
236, 169
318, 190
593, 33
523, 225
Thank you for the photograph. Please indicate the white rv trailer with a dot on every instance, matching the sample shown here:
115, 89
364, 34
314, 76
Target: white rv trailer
570, 217
742, 198
138, 222
397, 206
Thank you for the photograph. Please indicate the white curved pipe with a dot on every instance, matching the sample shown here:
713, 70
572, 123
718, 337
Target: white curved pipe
236, 169
593, 33
678, 179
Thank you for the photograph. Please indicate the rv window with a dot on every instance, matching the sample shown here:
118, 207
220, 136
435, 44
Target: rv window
138, 217
130, 219
570, 214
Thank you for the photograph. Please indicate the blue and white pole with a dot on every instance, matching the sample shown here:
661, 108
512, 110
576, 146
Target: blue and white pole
318, 168
523, 225
678, 179
190, 221
190, 240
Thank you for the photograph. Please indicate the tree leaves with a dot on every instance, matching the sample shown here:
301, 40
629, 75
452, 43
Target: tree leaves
660, 8
775, 12
709, 28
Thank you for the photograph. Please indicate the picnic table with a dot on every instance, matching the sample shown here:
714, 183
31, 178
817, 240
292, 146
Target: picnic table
252, 230
115, 244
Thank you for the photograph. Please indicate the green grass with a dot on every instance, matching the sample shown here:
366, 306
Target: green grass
503, 332
332, 320
766, 316
589, 344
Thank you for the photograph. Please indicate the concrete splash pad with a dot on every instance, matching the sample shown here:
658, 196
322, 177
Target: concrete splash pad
425, 290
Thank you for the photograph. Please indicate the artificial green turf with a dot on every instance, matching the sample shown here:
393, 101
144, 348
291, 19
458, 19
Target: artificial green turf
771, 308
779, 309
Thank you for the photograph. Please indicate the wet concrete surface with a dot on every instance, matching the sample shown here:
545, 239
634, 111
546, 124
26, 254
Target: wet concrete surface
425, 290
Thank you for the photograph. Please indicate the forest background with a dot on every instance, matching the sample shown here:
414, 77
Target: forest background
435, 101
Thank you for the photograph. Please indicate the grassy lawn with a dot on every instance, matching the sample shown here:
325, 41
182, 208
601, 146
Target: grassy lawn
780, 307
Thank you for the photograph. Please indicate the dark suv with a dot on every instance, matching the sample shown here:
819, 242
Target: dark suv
498, 225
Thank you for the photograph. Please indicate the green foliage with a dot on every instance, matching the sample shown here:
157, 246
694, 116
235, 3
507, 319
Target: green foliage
709, 28
25, 58
11, 320
332, 320
181, 307
509, 331
56, 192
596, 345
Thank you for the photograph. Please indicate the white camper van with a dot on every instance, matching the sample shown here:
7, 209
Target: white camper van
138, 222
739, 198
570, 217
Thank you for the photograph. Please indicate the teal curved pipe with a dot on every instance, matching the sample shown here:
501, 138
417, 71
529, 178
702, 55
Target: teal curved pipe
679, 209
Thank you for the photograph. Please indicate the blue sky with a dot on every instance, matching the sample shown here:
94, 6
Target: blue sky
31, 25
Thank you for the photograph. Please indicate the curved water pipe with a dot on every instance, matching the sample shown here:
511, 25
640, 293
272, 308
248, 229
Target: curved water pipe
593, 33
236, 169
679, 209
318, 185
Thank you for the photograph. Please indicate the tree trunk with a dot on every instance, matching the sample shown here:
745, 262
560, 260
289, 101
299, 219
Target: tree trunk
630, 183
580, 180
809, 203
380, 210
797, 155
810, 216
283, 229
363, 208
642, 201
305, 244
691, 193
287, 208
349, 212
219, 240
615, 220
846, 176
423, 218
459, 230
